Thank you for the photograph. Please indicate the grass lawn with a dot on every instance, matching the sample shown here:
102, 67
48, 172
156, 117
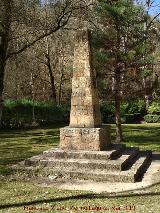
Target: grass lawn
18, 195
146, 136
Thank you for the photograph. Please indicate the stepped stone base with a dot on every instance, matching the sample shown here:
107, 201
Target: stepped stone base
117, 164
93, 139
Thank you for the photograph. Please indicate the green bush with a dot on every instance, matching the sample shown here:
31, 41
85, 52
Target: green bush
131, 111
19, 113
151, 118
133, 107
107, 111
131, 118
154, 108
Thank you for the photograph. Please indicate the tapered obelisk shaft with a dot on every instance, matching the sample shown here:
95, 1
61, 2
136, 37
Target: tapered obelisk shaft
85, 131
85, 110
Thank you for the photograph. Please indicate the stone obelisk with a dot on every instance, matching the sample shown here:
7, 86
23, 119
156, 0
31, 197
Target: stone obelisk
85, 131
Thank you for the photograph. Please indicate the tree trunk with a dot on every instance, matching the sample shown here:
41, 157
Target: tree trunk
54, 96
4, 38
117, 96
3, 52
2, 70
60, 91
119, 137
147, 94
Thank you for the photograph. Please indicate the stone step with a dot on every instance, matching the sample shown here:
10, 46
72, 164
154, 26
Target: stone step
112, 153
72, 163
134, 174
129, 167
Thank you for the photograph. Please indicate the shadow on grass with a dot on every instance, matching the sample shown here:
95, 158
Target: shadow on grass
142, 127
48, 140
11, 134
143, 136
76, 197
16, 146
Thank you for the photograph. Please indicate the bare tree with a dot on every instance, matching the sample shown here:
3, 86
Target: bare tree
22, 26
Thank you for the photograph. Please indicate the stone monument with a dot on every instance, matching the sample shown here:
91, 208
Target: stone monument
84, 152
85, 131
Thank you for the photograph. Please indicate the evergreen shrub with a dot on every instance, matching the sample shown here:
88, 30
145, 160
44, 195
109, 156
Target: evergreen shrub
152, 118
22, 113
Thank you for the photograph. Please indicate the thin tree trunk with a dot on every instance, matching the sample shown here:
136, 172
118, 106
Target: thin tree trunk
60, 91
4, 38
147, 97
33, 98
54, 96
117, 87
2, 70
60, 83
51, 76
117, 96
3, 52
119, 137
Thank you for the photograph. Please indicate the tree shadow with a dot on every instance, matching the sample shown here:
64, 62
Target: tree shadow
142, 136
16, 146
25, 134
77, 197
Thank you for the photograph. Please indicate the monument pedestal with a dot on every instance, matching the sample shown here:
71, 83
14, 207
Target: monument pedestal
93, 139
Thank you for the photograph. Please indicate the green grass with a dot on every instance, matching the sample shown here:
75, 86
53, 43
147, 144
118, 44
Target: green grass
16, 146
16, 193
19, 194
146, 136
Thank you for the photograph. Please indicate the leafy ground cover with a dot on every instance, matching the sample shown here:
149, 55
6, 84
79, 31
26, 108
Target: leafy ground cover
19, 195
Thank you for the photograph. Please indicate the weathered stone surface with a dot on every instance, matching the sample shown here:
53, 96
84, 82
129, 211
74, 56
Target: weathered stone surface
85, 110
85, 138
85, 131
112, 153
91, 168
